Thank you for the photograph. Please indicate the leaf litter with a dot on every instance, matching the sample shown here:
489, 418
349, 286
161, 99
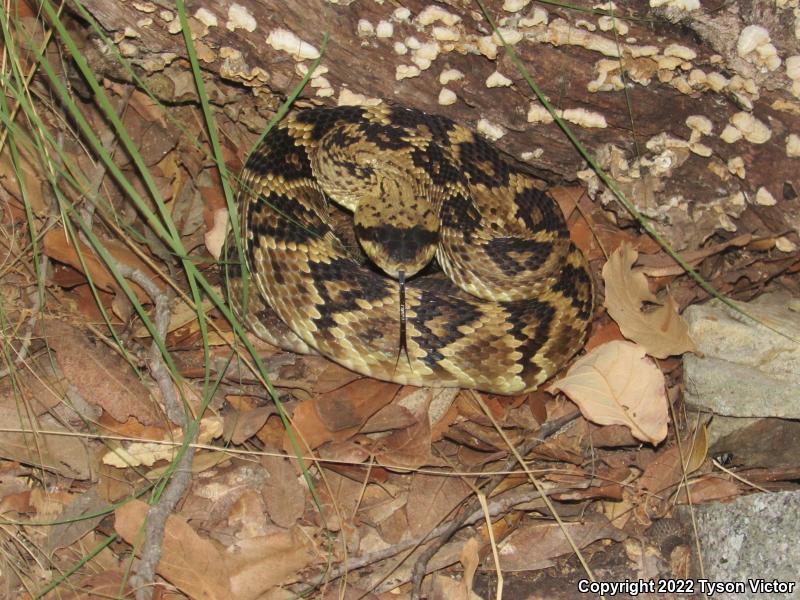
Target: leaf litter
389, 466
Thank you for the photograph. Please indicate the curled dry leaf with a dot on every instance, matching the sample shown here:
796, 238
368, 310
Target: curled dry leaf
662, 331
616, 384
136, 454
214, 237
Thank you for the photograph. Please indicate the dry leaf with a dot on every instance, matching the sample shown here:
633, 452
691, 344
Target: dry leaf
430, 500
699, 451
448, 588
312, 430
663, 474
604, 330
339, 497
352, 404
193, 564
27, 173
182, 318
662, 331
215, 237
711, 489
534, 546
242, 425
470, 559
134, 454
409, 448
259, 564
97, 586
61, 454
283, 494
60, 248
102, 377
329, 376
615, 384
82, 515
663, 265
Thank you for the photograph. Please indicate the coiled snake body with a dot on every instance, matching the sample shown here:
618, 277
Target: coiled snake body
513, 302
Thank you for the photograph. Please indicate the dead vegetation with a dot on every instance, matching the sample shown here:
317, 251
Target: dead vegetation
351, 487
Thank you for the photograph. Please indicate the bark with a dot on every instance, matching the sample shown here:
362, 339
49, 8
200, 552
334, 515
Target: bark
676, 64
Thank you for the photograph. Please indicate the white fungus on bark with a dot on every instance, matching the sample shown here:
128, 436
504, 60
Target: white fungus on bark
584, 118
538, 16
578, 116
413, 42
510, 35
364, 28
487, 47
764, 198
744, 125
539, 114
349, 98
406, 72
513, 6
239, 17
606, 23
699, 123
384, 29
401, 14
430, 14
687, 5
206, 17
447, 97
448, 75
445, 34
784, 244
754, 46
561, 33
793, 145
680, 51
489, 130
286, 41
730, 134
497, 79
793, 72
752, 129
750, 38
736, 167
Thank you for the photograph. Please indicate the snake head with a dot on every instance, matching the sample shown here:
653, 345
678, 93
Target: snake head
398, 231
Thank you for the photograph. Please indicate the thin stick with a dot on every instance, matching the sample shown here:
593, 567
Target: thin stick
495, 556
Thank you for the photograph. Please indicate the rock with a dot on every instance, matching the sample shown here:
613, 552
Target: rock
768, 443
745, 369
754, 537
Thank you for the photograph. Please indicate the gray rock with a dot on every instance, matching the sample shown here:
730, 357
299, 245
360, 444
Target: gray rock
754, 537
745, 369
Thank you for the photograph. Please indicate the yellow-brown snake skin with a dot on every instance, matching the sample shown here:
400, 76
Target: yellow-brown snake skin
510, 303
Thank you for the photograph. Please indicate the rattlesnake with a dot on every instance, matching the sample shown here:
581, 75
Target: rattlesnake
510, 304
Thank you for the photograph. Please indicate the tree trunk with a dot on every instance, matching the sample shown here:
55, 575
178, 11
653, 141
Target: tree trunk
694, 115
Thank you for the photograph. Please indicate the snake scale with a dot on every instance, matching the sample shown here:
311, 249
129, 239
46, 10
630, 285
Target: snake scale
456, 269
